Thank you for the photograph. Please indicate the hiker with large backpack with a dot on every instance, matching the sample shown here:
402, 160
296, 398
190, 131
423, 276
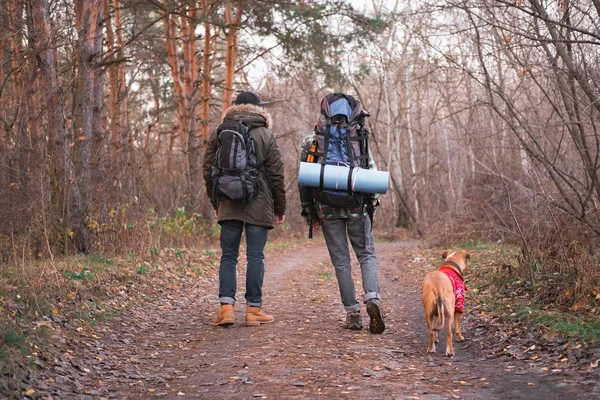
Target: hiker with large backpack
243, 173
341, 138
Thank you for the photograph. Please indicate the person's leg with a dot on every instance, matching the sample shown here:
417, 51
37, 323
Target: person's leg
361, 237
256, 239
231, 233
334, 231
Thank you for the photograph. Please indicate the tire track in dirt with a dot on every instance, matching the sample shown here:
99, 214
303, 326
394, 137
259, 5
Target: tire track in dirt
168, 347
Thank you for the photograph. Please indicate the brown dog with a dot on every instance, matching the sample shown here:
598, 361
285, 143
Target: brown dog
443, 298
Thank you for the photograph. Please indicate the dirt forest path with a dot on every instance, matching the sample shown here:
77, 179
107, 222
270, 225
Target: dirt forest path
168, 348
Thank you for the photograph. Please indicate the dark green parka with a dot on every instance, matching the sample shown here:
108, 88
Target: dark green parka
271, 197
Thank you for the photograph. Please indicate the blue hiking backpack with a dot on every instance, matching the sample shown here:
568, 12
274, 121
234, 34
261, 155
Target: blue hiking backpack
341, 139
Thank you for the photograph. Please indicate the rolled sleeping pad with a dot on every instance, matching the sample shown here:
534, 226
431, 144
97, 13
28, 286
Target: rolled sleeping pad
336, 177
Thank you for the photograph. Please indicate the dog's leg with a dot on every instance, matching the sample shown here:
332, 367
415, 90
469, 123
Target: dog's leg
449, 347
432, 334
457, 327
450, 318
438, 319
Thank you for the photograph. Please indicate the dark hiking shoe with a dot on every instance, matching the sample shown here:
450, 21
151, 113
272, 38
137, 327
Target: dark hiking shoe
376, 324
353, 321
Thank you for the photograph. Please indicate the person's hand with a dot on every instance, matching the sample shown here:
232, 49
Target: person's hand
216, 213
316, 225
278, 219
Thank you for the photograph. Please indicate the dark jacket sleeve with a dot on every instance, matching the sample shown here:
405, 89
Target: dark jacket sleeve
209, 156
274, 169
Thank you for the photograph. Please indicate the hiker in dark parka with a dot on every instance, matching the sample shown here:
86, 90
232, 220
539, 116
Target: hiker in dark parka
257, 216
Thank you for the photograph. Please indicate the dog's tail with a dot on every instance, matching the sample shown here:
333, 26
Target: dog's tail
440, 314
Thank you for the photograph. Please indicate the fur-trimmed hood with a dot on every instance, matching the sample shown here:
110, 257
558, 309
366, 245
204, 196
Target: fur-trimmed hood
270, 200
253, 115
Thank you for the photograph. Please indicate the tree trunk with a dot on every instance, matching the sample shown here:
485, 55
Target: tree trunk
404, 217
125, 159
411, 146
233, 23
120, 156
206, 72
170, 28
191, 84
89, 16
185, 75
98, 135
35, 141
115, 147
57, 127
19, 93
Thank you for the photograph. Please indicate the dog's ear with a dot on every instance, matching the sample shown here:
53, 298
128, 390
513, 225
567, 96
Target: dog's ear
446, 253
467, 256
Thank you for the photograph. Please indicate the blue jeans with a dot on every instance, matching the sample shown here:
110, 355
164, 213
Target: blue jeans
256, 238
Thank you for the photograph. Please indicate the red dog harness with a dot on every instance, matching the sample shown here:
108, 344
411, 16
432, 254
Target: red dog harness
458, 286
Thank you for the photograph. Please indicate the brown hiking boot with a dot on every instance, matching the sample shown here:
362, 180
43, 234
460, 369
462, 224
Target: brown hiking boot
225, 318
256, 316
353, 321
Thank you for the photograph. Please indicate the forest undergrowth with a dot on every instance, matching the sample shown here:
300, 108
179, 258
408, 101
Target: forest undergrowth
40, 298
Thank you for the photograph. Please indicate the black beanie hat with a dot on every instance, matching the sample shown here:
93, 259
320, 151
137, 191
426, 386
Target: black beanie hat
249, 97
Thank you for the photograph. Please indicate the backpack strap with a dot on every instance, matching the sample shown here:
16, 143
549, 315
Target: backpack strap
245, 189
250, 146
325, 150
350, 191
371, 214
363, 139
349, 148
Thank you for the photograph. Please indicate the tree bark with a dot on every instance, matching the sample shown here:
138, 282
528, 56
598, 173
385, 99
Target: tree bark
20, 89
411, 146
89, 16
98, 165
170, 28
192, 94
115, 147
206, 72
125, 159
121, 154
233, 22
35, 140
61, 186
